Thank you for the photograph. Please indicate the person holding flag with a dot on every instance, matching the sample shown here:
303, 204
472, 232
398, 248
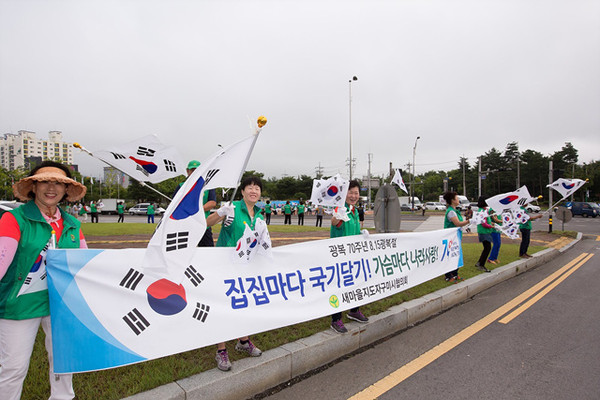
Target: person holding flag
236, 216
453, 219
25, 235
484, 233
209, 201
525, 229
345, 222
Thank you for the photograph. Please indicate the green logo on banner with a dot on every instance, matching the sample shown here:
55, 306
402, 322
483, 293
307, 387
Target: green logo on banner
334, 301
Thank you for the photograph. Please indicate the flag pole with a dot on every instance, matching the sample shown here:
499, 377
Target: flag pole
262, 120
80, 147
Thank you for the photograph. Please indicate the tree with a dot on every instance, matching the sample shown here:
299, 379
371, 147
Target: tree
567, 156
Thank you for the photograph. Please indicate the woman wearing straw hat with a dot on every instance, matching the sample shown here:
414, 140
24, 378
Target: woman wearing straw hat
25, 235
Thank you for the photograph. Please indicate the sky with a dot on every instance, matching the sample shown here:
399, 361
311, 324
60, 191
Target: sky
463, 75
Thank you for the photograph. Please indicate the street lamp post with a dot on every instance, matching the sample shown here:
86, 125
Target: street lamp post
412, 191
354, 78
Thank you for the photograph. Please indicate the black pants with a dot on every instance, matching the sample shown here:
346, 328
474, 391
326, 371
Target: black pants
268, 218
487, 247
121, 218
451, 274
525, 239
94, 217
301, 219
319, 220
207, 240
287, 219
338, 316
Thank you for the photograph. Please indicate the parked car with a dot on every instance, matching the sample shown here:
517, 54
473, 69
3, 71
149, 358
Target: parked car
585, 209
405, 207
6, 205
435, 206
532, 208
142, 209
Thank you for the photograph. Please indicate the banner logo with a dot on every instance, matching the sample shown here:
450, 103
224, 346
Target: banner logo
166, 297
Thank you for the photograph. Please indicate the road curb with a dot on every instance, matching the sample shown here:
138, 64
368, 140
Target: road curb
251, 376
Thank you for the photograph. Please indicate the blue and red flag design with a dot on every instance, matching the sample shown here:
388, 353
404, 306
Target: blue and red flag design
148, 166
36, 264
332, 190
189, 205
568, 187
508, 199
166, 297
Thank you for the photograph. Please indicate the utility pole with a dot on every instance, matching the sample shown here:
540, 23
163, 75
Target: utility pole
550, 180
369, 175
464, 179
479, 176
319, 170
518, 170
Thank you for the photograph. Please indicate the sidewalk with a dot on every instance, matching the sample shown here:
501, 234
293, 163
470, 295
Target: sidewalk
432, 223
256, 375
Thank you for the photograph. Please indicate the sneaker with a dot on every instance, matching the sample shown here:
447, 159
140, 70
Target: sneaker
358, 316
338, 326
482, 268
493, 262
248, 348
223, 362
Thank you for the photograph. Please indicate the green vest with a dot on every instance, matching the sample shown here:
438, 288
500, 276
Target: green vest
301, 209
120, 209
526, 225
347, 228
447, 222
93, 208
483, 230
231, 234
268, 208
35, 234
150, 210
287, 209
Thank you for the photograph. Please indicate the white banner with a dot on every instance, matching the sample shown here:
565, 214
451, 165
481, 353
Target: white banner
106, 312
145, 159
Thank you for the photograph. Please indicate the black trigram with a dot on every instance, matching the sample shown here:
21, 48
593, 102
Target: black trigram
211, 174
43, 276
131, 279
136, 321
201, 312
193, 275
522, 202
170, 165
145, 151
265, 245
27, 281
318, 185
118, 156
177, 241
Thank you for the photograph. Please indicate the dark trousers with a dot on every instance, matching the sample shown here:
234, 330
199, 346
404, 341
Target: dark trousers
94, 217
150, 217
319, 220
121, 218
451, 274
301, 219
268, 218
487, 247
525, 239
207, 240
287, 219
338, 316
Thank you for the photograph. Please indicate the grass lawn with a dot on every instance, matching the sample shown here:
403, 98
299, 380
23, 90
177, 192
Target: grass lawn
125, 381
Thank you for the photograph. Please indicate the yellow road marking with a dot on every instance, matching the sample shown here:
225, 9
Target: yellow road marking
544, 292
409, 369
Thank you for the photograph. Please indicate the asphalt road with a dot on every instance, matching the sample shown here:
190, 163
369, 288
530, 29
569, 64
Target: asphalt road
550, 351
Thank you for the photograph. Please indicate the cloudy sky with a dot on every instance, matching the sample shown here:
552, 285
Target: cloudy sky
464, 75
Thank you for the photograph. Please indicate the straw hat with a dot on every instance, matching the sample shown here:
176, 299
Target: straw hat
75, 190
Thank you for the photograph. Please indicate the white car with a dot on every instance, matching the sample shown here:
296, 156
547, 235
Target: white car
435, 206
532, 208
142, 208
